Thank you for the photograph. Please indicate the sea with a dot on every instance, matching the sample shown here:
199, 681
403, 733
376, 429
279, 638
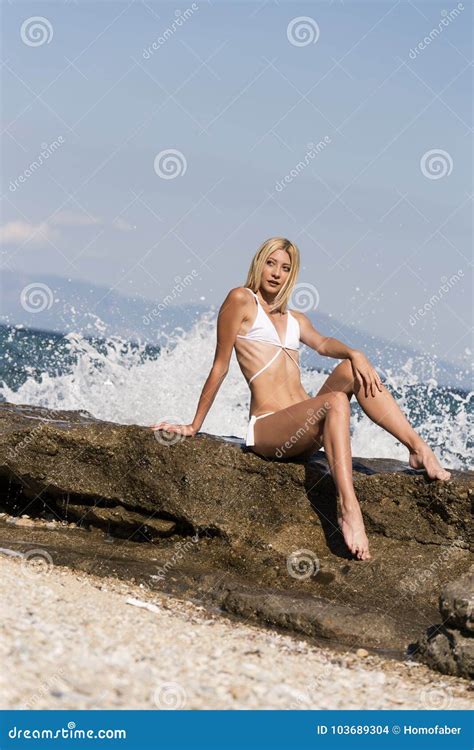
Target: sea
131, 382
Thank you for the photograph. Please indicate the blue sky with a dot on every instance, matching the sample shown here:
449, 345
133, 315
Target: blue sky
381, 211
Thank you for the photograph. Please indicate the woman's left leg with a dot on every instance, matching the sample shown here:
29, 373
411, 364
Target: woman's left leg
384, 411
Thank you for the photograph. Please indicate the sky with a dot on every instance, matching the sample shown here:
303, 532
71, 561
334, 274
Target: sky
151, 149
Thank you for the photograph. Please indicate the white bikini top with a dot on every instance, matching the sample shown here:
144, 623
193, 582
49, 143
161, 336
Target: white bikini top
264, 330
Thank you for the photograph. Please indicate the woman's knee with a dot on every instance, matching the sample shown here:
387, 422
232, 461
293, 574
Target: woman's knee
336, 401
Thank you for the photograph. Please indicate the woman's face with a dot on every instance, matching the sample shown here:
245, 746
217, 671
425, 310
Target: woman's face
275, 271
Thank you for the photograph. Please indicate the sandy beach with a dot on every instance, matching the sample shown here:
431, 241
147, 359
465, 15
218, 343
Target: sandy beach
75, 641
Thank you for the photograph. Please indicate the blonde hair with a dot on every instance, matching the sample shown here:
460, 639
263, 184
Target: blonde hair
254, 275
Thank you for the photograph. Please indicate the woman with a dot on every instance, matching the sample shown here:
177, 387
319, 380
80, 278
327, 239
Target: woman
285, 420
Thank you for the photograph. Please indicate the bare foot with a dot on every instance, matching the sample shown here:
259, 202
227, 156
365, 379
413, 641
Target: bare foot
424, 458
352, 526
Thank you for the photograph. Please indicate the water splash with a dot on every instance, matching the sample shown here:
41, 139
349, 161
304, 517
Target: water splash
133, 383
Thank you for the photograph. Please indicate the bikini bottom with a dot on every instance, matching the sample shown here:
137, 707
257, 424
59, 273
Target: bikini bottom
250, 440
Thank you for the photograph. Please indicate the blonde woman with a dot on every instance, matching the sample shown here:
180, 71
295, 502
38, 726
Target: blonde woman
286, 421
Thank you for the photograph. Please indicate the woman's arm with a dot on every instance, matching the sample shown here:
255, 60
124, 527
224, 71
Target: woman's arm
364, 372
324, 345
229, 320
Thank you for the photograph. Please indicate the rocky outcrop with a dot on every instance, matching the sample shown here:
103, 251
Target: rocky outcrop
204, 517
450, 647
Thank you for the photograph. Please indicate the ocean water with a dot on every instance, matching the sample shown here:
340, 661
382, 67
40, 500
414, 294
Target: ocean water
132, 383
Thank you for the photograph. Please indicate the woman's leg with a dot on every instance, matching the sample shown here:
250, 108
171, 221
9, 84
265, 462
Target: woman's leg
384, 411
305, 426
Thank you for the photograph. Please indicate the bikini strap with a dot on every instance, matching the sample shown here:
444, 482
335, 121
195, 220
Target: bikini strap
251, 292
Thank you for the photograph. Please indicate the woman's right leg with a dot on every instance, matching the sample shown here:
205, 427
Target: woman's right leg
305, 426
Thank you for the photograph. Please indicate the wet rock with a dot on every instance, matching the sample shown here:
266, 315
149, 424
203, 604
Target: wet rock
447, 651
456, 603
449, 647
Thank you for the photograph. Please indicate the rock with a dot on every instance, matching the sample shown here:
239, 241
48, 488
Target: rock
449, 647
121, 522
24, 521
447, 651
362, 652
252, 537
456, 603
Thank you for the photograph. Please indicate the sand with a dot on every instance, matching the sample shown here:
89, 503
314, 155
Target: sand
74, 641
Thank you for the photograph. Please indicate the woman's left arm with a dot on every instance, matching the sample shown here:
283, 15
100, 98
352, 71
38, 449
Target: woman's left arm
327, 346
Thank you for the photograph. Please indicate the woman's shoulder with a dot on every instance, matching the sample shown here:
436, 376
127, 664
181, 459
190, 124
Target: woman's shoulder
239, 295
299, 316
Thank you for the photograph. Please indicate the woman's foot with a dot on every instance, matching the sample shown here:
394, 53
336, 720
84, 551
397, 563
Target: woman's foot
352, 526
423, 457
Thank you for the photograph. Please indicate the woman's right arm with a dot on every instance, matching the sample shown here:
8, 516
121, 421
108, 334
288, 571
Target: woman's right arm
229, 320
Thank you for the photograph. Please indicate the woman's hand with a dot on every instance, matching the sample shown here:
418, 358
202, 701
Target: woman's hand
365, 373
182, 429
